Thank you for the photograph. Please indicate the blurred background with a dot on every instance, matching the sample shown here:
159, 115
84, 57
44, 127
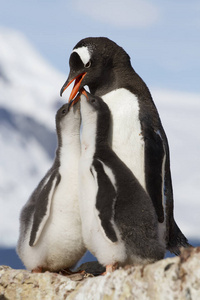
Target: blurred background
36, 39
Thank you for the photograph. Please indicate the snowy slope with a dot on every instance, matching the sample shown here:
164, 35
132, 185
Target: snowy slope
29, 98
28, 84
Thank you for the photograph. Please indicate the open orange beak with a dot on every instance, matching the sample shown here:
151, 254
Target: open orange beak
73, 102
83, 91
77, 98
78, 79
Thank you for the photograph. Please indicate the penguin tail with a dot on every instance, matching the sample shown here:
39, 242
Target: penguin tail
176, 239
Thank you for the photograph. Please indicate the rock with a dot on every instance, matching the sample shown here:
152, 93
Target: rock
21, 284
173, 278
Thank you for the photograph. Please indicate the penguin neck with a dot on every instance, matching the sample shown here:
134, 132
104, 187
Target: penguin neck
114, 78
69, 144
103, 130
70, 137
120, 75
88, 136
94, 135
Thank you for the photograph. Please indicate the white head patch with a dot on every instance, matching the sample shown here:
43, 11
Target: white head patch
84, 54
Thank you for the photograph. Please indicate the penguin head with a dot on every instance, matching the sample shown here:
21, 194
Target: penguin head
68, 116
62, 112
95, 112
92, 62
94, 104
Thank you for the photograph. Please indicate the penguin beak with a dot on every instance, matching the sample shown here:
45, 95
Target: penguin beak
83, 91
73, 102
78, 79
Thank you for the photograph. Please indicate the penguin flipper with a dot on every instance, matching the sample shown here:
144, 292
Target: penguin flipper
105, 200
42, 207
158, 177
155, 156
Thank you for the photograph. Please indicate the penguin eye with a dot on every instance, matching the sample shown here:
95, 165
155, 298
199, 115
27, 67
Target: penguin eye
92, 100
88, 65
63, 111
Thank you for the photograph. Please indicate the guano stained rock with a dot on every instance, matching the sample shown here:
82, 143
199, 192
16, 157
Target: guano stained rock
172, 278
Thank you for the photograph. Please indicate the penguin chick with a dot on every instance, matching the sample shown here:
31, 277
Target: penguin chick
50, 225
119, 222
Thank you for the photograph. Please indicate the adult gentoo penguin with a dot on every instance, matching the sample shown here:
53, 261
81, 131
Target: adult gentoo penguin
119, 222
50, 225
136, 135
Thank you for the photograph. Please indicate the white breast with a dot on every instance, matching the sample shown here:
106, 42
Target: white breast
94, 236
126, 138
60, 244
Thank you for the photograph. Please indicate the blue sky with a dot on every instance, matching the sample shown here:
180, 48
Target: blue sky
162, 37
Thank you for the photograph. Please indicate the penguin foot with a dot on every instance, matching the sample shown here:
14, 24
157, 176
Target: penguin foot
37, 270
111, 268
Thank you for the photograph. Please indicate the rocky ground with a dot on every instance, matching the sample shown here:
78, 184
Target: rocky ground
172, 278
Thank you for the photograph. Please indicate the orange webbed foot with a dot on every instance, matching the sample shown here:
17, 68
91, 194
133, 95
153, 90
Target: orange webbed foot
37, 270
111, 268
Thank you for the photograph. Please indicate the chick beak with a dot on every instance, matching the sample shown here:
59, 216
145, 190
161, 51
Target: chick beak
73, 102
83, 91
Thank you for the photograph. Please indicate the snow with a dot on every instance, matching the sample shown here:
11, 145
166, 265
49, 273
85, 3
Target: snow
18, 177
35, 84
29, 93
29, 90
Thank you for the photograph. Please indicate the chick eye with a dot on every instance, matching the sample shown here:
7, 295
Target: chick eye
93, 100
63, 111
88, 65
